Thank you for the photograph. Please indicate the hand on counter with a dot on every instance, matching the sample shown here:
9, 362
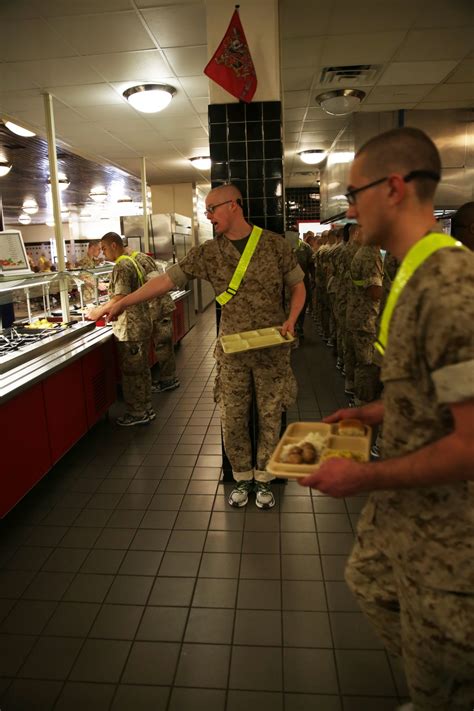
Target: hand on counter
93, 313
113, 311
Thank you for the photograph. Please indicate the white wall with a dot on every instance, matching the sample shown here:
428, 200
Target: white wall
173, 198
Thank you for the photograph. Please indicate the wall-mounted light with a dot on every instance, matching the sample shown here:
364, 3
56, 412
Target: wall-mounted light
30, 206
98, 194
150, 98
5, 167
313, 157
340, 102
201, 162
63, 181
19, 130
24, 219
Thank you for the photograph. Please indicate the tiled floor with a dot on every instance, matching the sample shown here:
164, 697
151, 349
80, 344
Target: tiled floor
128, 583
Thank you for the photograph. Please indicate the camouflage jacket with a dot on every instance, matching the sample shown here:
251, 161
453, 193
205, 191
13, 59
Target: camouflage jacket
259, 299
362, 311
346, 255
162, 306
134, 324
428, 364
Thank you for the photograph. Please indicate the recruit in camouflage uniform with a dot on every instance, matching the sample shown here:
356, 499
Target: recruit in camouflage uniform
361, 318
161, 309
323, 297
332, 285
257, 304
132, 330
342, 296
424, 537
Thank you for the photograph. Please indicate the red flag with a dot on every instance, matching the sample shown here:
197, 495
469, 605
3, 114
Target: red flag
231, 65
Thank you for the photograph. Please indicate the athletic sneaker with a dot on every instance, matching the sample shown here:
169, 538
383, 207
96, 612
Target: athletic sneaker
151, 414
264, 498
129, 420
375, 451
163, 385
240, 495
348, 391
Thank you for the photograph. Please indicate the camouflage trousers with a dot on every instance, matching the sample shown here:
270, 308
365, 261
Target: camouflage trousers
361, 352
136, 378
164, 348
431, 629
265, 375
349, 359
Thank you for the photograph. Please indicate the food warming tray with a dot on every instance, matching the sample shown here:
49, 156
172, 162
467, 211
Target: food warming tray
253, 340
296, 432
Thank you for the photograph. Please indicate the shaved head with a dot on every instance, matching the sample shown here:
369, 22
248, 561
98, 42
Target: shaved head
225, 192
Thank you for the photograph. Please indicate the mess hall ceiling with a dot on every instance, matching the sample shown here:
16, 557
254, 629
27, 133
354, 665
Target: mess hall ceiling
416, 53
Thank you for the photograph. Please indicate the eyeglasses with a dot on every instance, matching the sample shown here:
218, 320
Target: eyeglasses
430, 174
210, 210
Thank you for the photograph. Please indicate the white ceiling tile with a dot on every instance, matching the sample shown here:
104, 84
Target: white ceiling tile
178, 25
188, 120
143, 142
50, 8
29, 100
31, 39
195, 86
371, 108
454, 92
177, 132
295, 99
447, 13
294, 114
299, 18
436, 44
115, 152
101, 34
463, 72
87, 95
292, 126
373, 15
110, 113
390, 94
297, 79
466, 104
370, 48
187, 61
416, 72
146, 65
15, 77
69, 70
322, 125
201, 105
301, 51
292, 137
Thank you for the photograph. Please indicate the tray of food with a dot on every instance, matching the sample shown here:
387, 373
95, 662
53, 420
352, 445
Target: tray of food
252, 340
305, 445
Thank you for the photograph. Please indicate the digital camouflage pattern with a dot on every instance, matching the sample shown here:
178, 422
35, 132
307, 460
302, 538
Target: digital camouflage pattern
134, 324
136, 378
419, 543
362, 311
258, 303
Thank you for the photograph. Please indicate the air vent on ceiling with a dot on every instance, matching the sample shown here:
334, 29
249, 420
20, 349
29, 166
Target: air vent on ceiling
304, 172
355, 74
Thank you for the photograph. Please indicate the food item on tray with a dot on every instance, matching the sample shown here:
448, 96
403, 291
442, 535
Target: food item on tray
295, 455
341, 454
309, 453
351, 428
40, 323
310, 447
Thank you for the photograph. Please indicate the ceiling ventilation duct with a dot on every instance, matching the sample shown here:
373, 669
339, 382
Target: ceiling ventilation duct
353, 75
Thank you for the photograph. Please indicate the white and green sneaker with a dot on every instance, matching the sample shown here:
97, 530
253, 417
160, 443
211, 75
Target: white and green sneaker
264, 498
240, 495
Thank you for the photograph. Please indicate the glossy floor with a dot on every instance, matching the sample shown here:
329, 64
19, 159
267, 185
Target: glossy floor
128, 583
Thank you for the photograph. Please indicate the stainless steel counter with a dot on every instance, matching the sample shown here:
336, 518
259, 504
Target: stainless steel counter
43, 365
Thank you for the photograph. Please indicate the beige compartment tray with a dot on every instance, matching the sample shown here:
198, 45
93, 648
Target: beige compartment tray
252, 340
297, 431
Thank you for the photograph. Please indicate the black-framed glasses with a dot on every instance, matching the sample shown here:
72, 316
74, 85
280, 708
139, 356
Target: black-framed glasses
351, 195
210, 209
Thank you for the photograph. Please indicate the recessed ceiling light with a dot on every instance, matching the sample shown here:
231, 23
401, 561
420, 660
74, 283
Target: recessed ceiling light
30, 206
313, 156
98, 194
19, 130
201, 162
24, 219
150, 98
340, 101
5, 168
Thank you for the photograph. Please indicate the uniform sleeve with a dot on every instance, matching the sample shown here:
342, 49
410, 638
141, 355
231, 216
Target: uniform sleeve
192, 266
447, 320
122, 283
372, 268
292, 272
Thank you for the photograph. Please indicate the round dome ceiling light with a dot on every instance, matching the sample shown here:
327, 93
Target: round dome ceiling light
24, 219
5, 168
98, 194
150, 98
313, 157
63, 181
19, 130
340, 102
201, 162
30, 206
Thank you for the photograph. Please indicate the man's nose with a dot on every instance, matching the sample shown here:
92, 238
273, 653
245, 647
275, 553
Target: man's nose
351, 212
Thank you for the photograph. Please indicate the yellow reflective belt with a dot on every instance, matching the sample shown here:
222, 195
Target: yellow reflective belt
415, 257
141, 278
358, 282
241, 268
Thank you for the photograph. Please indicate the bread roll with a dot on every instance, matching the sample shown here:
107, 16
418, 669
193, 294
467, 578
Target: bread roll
351, 428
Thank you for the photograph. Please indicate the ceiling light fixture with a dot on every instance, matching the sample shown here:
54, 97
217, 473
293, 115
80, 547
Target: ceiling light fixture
313, 157
63, 181
24, 219
201, 162
30, 206
124, 198
19, 130
150, 98
340, 102
98, 194
5, 168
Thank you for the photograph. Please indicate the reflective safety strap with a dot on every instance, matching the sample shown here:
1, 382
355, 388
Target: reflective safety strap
415, 257
241, 268
141, 278
358, 282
